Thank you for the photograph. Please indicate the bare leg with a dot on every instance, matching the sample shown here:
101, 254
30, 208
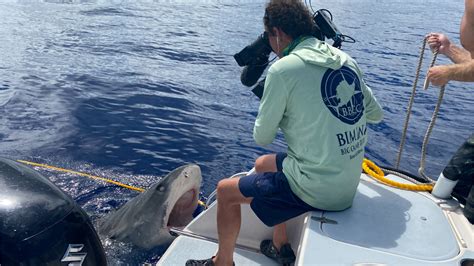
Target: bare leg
229, 199
279, 235
266, 163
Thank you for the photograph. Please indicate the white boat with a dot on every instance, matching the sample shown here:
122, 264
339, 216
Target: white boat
384, 226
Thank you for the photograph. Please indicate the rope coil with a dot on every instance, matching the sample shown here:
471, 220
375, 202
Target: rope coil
374, 171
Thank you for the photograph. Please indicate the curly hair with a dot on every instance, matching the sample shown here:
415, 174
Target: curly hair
291, 16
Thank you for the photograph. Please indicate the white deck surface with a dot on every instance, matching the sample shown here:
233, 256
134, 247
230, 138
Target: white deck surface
396, 221
384, 225
200, 249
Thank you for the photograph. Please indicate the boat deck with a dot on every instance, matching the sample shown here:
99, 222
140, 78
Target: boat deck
201, 249
385, 226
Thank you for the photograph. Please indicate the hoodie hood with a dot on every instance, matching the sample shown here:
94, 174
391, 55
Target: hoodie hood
313, 51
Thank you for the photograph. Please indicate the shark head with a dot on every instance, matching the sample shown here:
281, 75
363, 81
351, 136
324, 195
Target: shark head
146, 220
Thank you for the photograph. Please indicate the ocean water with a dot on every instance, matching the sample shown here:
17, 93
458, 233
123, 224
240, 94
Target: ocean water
133, 89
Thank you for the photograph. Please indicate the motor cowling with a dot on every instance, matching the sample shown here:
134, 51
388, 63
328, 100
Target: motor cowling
40, 224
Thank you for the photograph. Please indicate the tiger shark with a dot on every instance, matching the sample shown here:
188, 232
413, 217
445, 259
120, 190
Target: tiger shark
145, 221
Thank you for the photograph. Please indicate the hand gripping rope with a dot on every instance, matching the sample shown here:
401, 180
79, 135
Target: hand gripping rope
421, 170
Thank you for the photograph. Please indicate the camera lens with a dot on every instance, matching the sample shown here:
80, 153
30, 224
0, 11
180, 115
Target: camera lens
259, 48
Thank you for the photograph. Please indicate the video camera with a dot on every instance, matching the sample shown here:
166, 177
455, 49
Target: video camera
254, 57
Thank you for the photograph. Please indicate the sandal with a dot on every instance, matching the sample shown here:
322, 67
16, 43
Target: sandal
205, 262
284, 256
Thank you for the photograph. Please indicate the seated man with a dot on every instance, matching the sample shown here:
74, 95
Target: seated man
316, 95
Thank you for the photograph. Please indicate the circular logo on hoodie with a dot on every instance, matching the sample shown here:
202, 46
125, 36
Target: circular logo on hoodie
342, 94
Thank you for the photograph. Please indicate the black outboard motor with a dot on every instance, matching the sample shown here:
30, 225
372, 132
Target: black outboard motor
40, 225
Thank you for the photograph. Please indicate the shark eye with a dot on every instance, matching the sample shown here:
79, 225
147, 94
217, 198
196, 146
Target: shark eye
160, 188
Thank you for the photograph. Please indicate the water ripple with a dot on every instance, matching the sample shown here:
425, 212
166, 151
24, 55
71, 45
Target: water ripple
137, 88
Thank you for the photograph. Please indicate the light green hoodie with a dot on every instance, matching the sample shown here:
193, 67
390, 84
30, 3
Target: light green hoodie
317, 97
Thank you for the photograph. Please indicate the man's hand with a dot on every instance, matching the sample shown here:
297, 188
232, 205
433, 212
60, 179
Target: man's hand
443, 44
439, 41
439, 75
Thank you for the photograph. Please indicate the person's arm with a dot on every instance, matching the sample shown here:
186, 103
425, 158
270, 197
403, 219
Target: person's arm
467, 27
458, 54
440, 75
373, 110
272, 107
440, 42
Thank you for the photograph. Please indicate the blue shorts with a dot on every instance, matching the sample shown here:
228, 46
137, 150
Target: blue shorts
273, 200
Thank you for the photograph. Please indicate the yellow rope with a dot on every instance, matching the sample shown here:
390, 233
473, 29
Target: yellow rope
374, 171
369, 167
82, 174
90, 176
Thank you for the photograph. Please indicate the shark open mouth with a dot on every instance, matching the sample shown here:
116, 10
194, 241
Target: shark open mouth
183, 209
146, 220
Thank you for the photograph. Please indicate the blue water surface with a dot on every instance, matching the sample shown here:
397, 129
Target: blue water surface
133, 89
